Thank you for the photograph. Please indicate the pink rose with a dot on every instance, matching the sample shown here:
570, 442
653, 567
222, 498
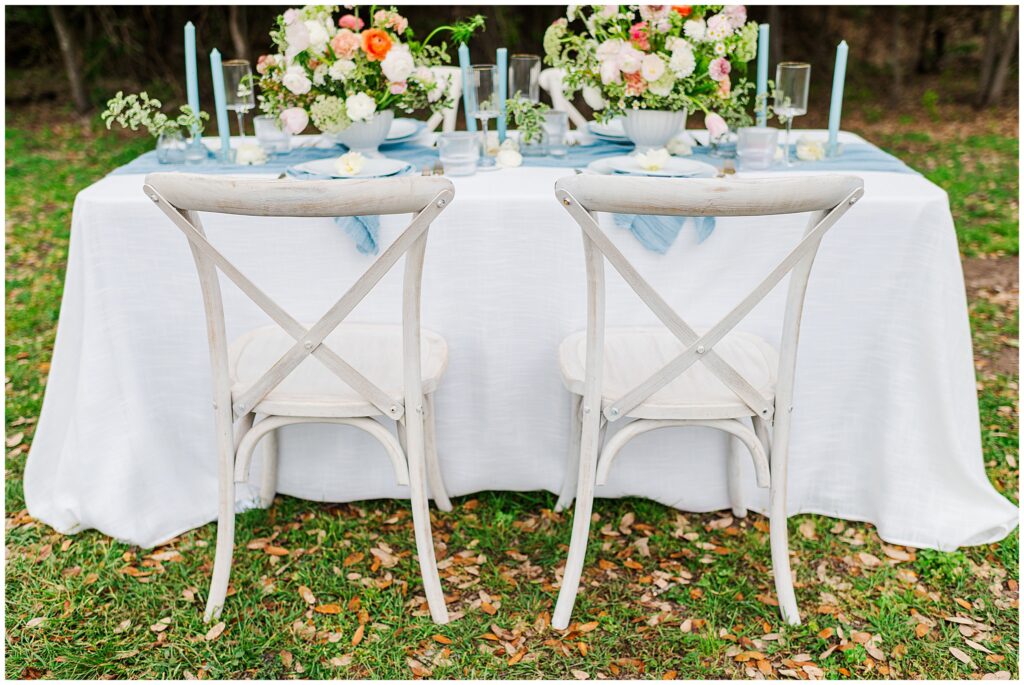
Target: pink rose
715, 125
638, 34
294, 120
719, 69
351, 22
345, 44
265, 62
397, 87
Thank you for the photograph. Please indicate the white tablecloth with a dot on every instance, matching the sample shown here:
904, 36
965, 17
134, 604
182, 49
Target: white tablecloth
885, 425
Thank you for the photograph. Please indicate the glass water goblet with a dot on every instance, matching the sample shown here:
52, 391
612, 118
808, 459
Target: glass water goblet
524, 77
792, 81
483, 92
238, 90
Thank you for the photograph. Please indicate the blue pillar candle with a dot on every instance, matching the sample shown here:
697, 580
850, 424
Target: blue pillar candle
762, 74
191, 72
467, 88
835, 113
502, 92
219, 100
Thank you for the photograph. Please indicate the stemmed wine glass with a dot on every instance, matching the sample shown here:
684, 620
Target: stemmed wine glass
483, 91
792, 81
239, 92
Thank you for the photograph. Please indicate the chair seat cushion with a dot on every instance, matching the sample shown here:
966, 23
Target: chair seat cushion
631, 355
374, 350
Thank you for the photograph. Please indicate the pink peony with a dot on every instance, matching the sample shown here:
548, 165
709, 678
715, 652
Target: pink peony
715, 125
638, 34
345, 44
351, 22
719, 69
397, 87
635, 84
294, 120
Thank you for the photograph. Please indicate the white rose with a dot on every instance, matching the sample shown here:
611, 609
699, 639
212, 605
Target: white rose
360, 107
509, 144
398, 64
682, 62
297, 37
678, 146
250, 154
652, 67
509, 158
592, 96
810, 149
630, 59
349, 164
296, 80
694, 29
342, 69
318, 36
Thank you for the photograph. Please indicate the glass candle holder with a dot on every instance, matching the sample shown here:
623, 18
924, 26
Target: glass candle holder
756, 147
459, 152
272, 138
556, 125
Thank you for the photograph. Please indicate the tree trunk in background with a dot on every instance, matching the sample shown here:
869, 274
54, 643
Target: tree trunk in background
236, 24
774, 38
988, 57
923, 60
1010, 43
72, 58
896, 57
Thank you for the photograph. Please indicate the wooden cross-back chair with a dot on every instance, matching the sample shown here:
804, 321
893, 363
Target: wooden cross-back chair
381, 370
679, 375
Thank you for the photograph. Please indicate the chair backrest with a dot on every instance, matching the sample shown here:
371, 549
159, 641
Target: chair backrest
182, 196
552, 81
450, 79
826, 197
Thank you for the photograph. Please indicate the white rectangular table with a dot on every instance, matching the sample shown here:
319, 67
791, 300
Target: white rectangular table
885, 422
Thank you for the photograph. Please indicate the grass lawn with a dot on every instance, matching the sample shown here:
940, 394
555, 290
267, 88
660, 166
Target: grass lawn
332, 591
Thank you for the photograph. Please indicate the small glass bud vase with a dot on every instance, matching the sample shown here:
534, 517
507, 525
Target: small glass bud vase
536, 146
724, 146
170, 147
195, 151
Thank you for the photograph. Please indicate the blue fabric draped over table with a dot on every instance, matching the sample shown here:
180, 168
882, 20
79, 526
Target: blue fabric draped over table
656, 233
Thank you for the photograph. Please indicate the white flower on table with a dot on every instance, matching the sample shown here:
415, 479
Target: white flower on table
250, 154
349, 164
679, 146
810, 149
360, 107
508, 158
653, 160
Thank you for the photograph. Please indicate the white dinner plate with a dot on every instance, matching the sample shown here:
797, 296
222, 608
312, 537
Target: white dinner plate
673, 168
403, 128
373, 167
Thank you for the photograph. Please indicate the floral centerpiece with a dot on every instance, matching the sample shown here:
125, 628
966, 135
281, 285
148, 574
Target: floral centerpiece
349, 75
653, 64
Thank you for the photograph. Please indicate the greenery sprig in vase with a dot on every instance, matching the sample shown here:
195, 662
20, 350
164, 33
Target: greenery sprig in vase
528, 117
137, 111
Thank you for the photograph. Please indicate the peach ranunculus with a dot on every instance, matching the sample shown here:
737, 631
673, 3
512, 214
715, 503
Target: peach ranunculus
351, 22
265, 62
683, 10
345, 44
376, 44
635, 84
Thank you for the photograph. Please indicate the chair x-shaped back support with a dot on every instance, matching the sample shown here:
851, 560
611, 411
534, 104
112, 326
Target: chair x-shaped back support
827, 198
181, 197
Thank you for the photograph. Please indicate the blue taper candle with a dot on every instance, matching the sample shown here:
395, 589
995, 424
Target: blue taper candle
835, 112
191, 71
220, 102
502, 92
467, 104
762, 74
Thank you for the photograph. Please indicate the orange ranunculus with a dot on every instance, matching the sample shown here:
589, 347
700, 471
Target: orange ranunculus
683, 10
376, 44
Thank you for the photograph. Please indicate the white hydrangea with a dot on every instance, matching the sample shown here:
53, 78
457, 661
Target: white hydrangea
360, 107
695, 29
342, 69
328, 114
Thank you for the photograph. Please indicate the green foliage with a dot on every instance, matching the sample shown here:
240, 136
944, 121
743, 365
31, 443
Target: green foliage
135, 111
946, 568
930, 101
528, 117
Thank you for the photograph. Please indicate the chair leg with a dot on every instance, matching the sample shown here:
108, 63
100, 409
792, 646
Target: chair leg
737, 451
779, 534
572, 464
590, 446
421, 522
268, 488
434, 477
225, 546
